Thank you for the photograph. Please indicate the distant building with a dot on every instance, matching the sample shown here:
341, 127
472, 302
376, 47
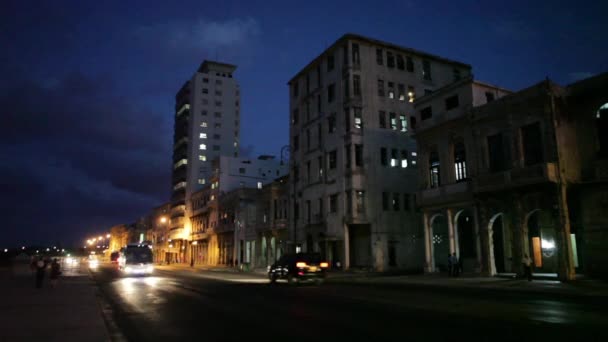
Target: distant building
158, 233
268, 241
506, 174
353, 159
207, 125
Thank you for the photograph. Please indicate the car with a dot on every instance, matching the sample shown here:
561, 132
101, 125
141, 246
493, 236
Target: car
298, 267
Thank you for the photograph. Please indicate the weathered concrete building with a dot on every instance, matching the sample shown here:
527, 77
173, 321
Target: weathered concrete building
506, 175
270, 235
353, 160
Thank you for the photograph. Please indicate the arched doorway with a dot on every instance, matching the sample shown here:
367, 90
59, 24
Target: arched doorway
441, 242
542, 241
464, 228
497, 237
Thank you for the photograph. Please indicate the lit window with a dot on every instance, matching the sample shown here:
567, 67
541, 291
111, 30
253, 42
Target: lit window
403, 159
393, 119
203, 147
403, 123
411, 94
259, 185
414, 154
201, 181
236, 144
394, 157
180, 163
203, 124
203, 135
212, 197
202, 158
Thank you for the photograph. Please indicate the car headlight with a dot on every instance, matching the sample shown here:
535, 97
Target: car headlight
149, 269
128, 269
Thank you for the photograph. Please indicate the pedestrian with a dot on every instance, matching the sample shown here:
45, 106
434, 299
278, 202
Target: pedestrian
450, 265
55, 272
527, 266
40, 270
455, 265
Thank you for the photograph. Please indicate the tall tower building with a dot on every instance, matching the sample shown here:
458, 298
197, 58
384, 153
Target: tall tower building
353, 156
207, 112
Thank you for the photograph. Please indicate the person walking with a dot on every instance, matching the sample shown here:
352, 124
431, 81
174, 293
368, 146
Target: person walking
55, 272
527, 266
40, 270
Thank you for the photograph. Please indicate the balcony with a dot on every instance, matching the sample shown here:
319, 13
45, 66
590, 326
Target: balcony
450, 193
536, 174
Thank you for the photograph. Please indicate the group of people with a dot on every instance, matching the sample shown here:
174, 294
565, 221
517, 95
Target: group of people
39, 266
454, 265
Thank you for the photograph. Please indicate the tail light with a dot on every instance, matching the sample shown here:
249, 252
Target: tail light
324, 265
300, 264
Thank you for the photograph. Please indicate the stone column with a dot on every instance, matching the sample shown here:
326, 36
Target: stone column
452, 235
346, 248
517, 223
478, 267
565, 261
428, 244
487, 250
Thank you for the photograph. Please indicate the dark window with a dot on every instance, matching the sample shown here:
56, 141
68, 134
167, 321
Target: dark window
218, 114
396, 201
321, 207
381, 88
489, 96
332, 156
359, 155
347, 155
205, 80
356, 59
330, 62
333, 203
409, 64
400, 62
331, 92
413, 122
296, 174
390, 59
296, 143
434, 179
296, 116
383, 156
496, 153
456, 74
296, 211
356, 85
205, 91
460, 161
406, 202
331, 123
382, 118
451, 102
360, 201
532, 144
426, 113
426, 70
385, 205
242, 170
392, 253
379, 57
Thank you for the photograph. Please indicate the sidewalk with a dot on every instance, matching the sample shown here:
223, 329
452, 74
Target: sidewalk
580, 288
69, 312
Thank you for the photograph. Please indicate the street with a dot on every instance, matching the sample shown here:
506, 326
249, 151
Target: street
182, 305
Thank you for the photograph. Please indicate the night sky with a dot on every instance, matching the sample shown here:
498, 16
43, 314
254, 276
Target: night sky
87, 89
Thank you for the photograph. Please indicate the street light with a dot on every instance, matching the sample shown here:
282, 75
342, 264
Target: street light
163, 219
107, 236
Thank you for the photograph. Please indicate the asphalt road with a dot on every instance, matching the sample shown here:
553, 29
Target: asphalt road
212, 306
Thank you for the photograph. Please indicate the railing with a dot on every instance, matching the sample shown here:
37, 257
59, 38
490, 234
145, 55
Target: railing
540, 173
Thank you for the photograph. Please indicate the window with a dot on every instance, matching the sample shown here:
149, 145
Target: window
205, 91
392, 253
216, 147
382, 119
218, 114
532, 144
333, 203
379, 57
396, 201
347, 156
403, 121
296, 116
496, 153
296, 142
401, 91
400, 63
385, 205
381, 88
296, 89
406, 202
202, 158
218, 125
391, 90
205, 101
451, 102
296, 174
332, 159
456, 74
203, 136
203, 124
426, 70
489, 96
356, 60
242, 170
321, 207
218, 93
330, 62
218, 103
403, 159
394, 157
411, 94
205, 80
360, 201
331, 92
393, 118
359, 155
320, 164
409, 64
434, 180
383, 156
296, 210
218, 82
356, 85
460, 162
358, 118
331, 123
217, 136
204, 113
202, 147
426, 113
413, 122
390, 59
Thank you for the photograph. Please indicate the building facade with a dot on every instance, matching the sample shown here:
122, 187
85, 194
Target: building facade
207, 125
353, 159
269, 239
504, 175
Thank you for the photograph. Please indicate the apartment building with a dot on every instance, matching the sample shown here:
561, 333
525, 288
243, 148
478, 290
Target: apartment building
269, 239
507, 175
353, 159
207, 125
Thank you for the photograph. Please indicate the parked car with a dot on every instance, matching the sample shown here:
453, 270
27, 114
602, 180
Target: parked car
298, 267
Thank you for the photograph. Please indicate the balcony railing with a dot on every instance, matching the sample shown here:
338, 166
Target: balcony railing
446, 193
535, 174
